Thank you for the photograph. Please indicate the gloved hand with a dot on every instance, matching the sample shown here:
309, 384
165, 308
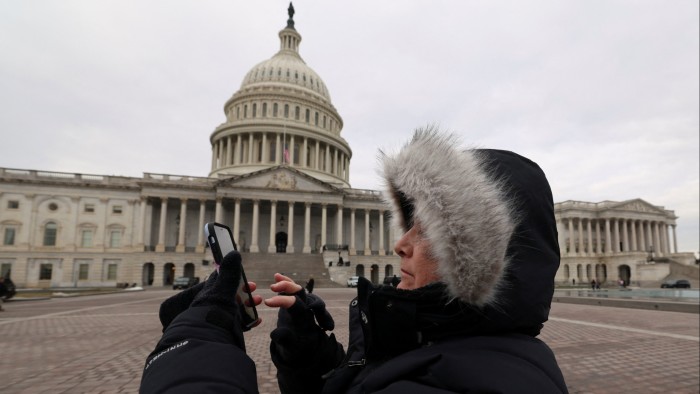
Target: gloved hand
177, 304
301, 330
219, 292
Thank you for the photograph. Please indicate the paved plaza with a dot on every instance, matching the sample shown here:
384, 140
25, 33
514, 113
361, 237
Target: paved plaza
98, 344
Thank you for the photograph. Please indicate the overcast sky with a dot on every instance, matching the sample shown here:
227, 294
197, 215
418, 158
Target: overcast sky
603, 94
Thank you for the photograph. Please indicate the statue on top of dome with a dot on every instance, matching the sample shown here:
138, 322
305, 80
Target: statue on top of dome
290, 12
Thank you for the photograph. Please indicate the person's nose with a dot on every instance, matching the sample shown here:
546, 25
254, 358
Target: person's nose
402, 248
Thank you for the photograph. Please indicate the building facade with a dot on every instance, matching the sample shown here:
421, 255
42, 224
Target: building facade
280, 179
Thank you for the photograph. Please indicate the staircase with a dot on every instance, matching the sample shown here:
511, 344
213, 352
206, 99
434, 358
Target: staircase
681, 271
261, 267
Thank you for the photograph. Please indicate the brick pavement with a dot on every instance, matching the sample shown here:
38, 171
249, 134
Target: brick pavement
98, 344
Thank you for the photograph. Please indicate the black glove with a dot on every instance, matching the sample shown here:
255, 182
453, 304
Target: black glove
297, 337
219, 292
177, 304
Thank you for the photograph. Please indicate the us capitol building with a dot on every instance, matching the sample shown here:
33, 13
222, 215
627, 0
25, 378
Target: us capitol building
280, 179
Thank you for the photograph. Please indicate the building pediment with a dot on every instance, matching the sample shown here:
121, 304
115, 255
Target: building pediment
637, 205
279, 178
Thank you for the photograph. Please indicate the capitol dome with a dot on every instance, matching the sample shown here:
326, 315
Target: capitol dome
282, 115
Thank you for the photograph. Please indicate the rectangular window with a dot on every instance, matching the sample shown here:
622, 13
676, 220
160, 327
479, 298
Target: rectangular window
5, 268
13, 204
9, 236
117, 209
83, 271
45, 271
89, 208
50, 231
115, 239
112, 272
86, 239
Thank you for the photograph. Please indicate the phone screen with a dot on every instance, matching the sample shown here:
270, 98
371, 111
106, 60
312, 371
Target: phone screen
221, 243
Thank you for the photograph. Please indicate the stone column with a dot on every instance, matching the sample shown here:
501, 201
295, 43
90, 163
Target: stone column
642, 237
664, 237
218, 212
291, 150
250, 148
160, 247
213, 159
339, 225
675, 243
581, 250
180, 247
237, 219
598, 239
352, 248
229, 151
200, 235
290, 228
589, 235
335, 162
279, 150
608, 248
616, 235
265, 152
318, 152
625, 236
382, 252
254, 236
307, 227
142, 224
634, 235
324, 223
657, 239
305, 154
368, 249
239, 149
572, 247
328, 159
271, 248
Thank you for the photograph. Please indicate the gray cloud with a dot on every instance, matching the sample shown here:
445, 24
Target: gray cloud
603, 94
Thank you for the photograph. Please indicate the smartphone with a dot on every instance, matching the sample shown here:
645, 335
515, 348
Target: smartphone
220, 240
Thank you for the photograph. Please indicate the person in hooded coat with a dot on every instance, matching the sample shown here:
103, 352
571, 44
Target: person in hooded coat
478, 256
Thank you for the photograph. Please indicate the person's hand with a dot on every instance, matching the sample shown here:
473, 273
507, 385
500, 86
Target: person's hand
177, 304
301, 324
220, 292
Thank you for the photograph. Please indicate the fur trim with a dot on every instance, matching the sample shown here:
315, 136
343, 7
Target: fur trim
461, 208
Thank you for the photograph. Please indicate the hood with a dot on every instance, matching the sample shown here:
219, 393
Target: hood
489, 218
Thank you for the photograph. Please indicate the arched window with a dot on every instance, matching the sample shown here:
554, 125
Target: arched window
50, 231
296, 113
324, 121
316, 119
286, 110
245, 111
255, 109
274, 110
308, 115
264, 110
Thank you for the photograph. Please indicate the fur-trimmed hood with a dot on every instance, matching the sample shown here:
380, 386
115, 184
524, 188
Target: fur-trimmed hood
489, 218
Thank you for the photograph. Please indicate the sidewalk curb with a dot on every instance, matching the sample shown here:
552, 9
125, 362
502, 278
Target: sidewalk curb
668, 306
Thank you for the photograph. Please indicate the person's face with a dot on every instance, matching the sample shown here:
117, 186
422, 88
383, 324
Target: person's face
418, 268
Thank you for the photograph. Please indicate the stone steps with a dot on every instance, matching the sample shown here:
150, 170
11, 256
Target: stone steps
261, 267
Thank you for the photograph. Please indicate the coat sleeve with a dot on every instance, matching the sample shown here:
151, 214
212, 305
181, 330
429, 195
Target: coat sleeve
196, 356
